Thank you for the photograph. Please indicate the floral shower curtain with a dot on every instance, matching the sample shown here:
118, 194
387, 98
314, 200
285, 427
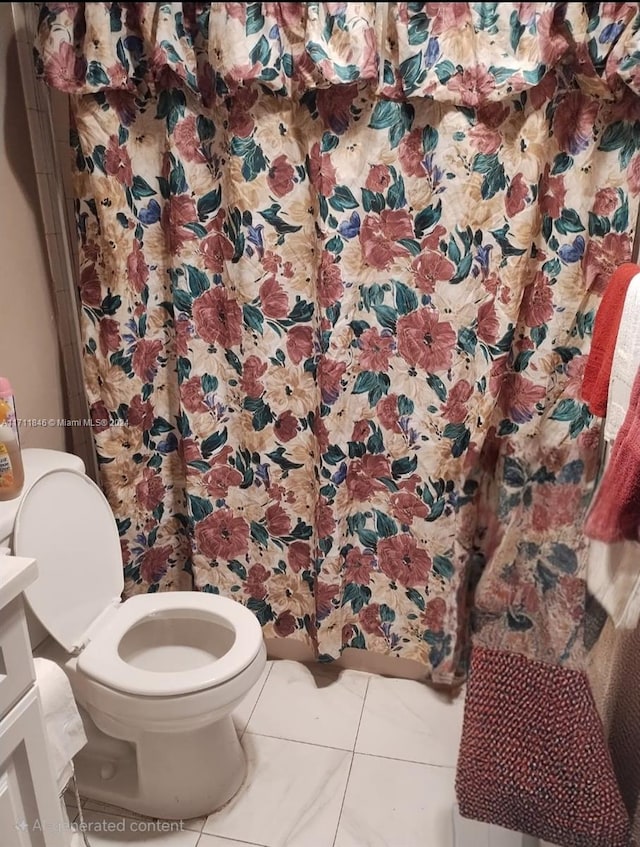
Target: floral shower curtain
339, 264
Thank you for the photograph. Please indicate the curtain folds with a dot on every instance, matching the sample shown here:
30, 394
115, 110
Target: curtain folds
339, 267
340, 336
402, 50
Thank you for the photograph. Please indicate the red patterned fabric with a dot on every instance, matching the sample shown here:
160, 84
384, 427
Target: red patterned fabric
533, 756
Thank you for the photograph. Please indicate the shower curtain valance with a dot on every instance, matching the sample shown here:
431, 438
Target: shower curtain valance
464, 54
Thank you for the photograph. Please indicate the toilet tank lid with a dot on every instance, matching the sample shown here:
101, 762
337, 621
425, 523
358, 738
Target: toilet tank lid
36, 462
65, 522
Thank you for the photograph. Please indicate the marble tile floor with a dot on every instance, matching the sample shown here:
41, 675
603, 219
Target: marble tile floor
337, 758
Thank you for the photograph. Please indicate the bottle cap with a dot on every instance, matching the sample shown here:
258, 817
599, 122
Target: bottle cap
5, 388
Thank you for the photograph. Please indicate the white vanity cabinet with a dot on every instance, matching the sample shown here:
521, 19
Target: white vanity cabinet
30, 811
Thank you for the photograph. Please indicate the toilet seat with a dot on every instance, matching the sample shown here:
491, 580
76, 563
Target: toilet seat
65, 522
101, 661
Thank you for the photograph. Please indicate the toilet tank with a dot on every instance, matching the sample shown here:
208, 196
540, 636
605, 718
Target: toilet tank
36, 463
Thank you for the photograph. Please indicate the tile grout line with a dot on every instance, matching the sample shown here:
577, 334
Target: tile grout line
353, 754
408, 761
255, 705
299, 741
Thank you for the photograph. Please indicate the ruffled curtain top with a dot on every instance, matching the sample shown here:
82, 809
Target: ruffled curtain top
465, 54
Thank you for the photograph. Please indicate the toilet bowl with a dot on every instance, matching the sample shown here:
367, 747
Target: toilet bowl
156, 677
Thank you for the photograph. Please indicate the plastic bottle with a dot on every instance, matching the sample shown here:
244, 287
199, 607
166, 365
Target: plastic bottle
11, 469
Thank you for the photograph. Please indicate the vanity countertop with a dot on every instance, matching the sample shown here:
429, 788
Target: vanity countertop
16, 574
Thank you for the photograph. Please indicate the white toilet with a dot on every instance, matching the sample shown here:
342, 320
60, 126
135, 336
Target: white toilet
156, 677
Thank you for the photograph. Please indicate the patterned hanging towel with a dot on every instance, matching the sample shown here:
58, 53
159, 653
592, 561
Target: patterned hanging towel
533, 757
595, 384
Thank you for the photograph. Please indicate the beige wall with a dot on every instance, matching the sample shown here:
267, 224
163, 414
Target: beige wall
29, 350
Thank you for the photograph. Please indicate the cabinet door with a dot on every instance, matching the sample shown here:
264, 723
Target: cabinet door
16, 665
30, 811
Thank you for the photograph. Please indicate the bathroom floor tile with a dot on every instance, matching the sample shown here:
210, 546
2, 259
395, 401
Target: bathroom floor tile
194, 824
216, 841
242, 714
314, 704
390, 803
409, 720
109, 830
89, 805
291, 798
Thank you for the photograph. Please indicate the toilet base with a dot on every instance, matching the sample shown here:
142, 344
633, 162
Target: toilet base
163, 775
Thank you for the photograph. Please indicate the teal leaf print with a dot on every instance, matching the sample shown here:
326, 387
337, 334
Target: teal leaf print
561, 163
97, 76
577, 414
209, 203
111, 303
183, 300
569, 221
429, 138
397, 117
385, 526
272, 217
368, 538
416, 598
261, 52
209, 445
255, 19
141, 188
261, 609
281, 460
199, 507
253, 318
262, 416
494, 176
97, 157
197, 279
317, 53
329, 142
357, 595
443, 566
301, 312
467, 340
427, 218
387, 316
418, 29
436, 384
259, 534
406, 298
395, 195
238, 569
516, 30
538, 334
171, 104
412, 72
387, 614
620, 219
372, 201
460, 436
343, 199
487, 16
404, 466
444, 71
598, 225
